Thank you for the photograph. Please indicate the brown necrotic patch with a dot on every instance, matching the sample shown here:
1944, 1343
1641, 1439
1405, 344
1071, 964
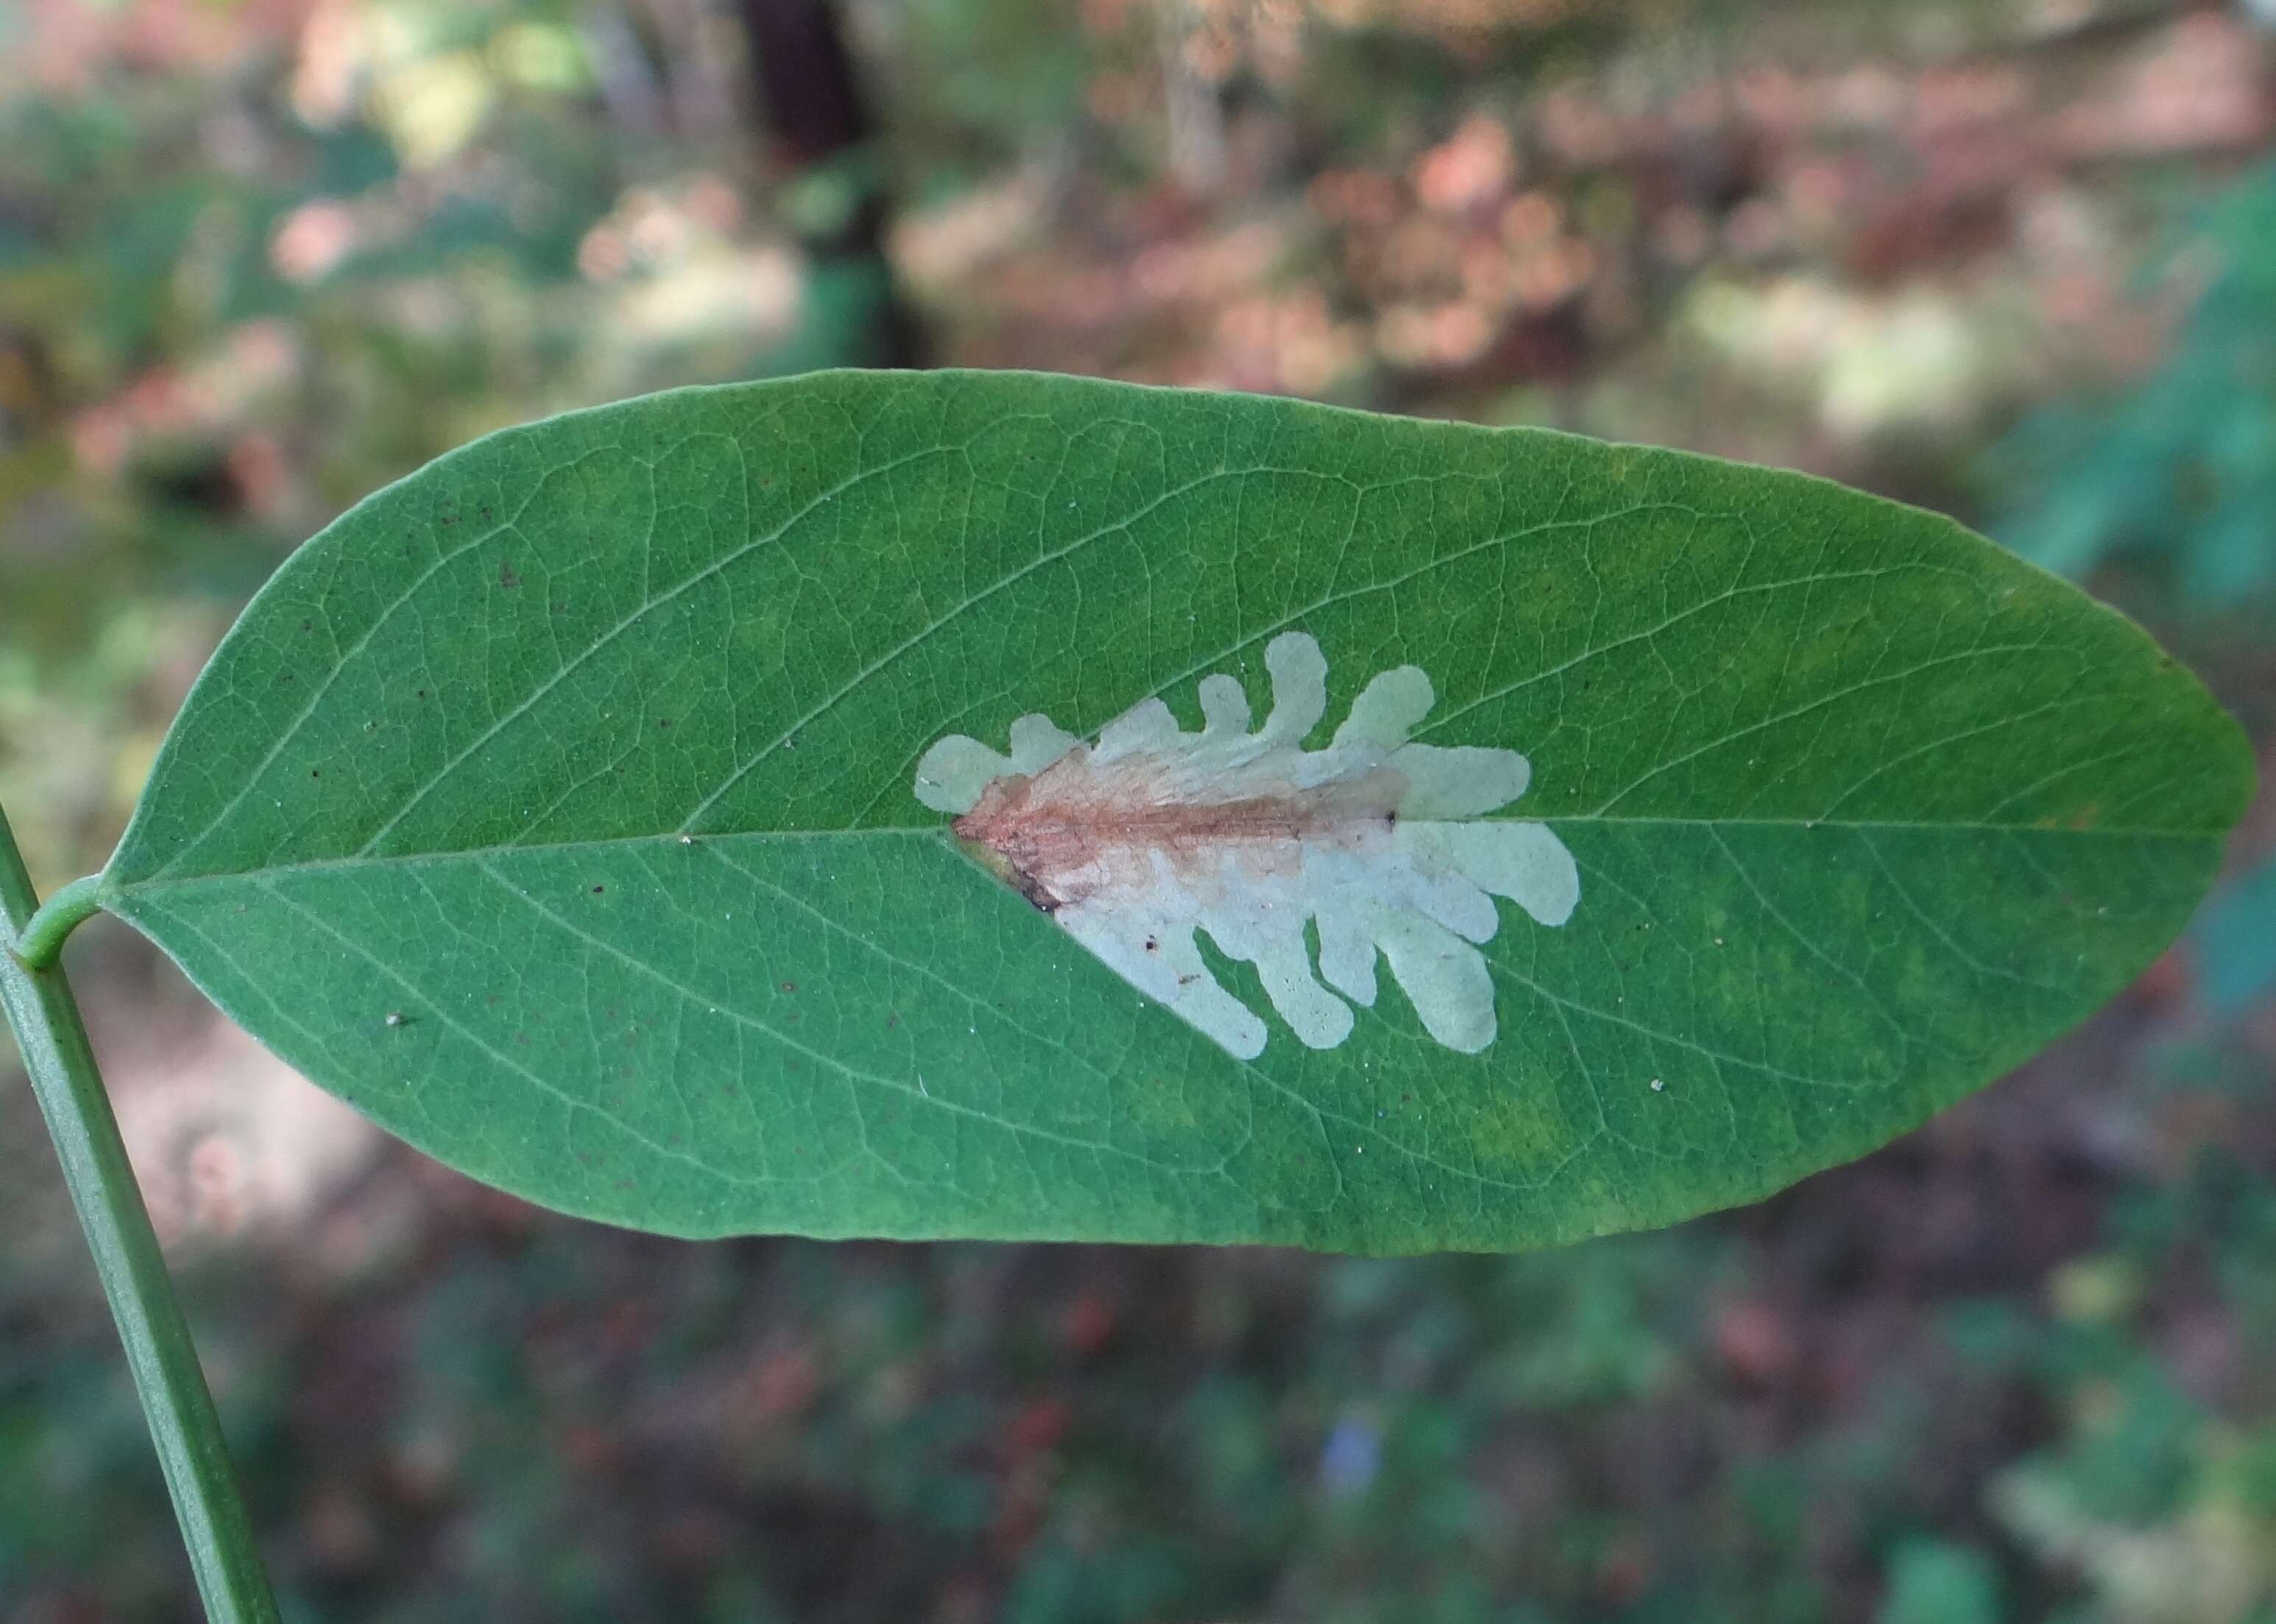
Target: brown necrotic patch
1076, 830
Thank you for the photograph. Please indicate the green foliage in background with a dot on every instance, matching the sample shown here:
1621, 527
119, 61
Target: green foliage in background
451, 1408
2180, 466
1761, 1421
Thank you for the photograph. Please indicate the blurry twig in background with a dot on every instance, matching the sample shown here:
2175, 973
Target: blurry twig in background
664, 72
623, 75
1192, 111
2053, 27
698, 66
815, 114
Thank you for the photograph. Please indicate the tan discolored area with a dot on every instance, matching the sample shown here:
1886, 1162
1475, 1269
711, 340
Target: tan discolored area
1078, 830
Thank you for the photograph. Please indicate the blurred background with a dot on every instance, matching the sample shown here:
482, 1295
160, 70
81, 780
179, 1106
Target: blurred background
2014, 259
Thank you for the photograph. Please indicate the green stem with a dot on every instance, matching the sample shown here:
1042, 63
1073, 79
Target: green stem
159, 1352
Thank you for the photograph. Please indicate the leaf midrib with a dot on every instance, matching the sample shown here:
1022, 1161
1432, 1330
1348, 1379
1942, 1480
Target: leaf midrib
672, 837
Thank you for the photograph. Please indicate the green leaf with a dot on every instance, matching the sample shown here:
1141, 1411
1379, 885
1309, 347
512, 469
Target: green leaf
1933, 1582
558, 806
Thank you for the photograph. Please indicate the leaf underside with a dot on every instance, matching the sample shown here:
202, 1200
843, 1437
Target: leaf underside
554, 807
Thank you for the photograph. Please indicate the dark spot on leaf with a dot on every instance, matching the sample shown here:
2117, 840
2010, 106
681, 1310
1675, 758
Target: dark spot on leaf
486, 515
507, 579
893, 1019
308, 625
663, 721
313, 773
422, 693
790, 986
597, 889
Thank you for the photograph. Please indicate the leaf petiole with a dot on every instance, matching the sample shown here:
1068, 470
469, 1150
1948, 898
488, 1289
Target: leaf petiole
159, 1352
42, 939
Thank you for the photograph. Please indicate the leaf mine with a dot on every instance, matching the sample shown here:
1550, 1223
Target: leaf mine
1135, 842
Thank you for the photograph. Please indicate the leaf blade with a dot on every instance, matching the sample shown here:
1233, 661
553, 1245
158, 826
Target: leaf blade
1770, 718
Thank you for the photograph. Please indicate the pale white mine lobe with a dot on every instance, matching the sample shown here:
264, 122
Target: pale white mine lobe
1135, 842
